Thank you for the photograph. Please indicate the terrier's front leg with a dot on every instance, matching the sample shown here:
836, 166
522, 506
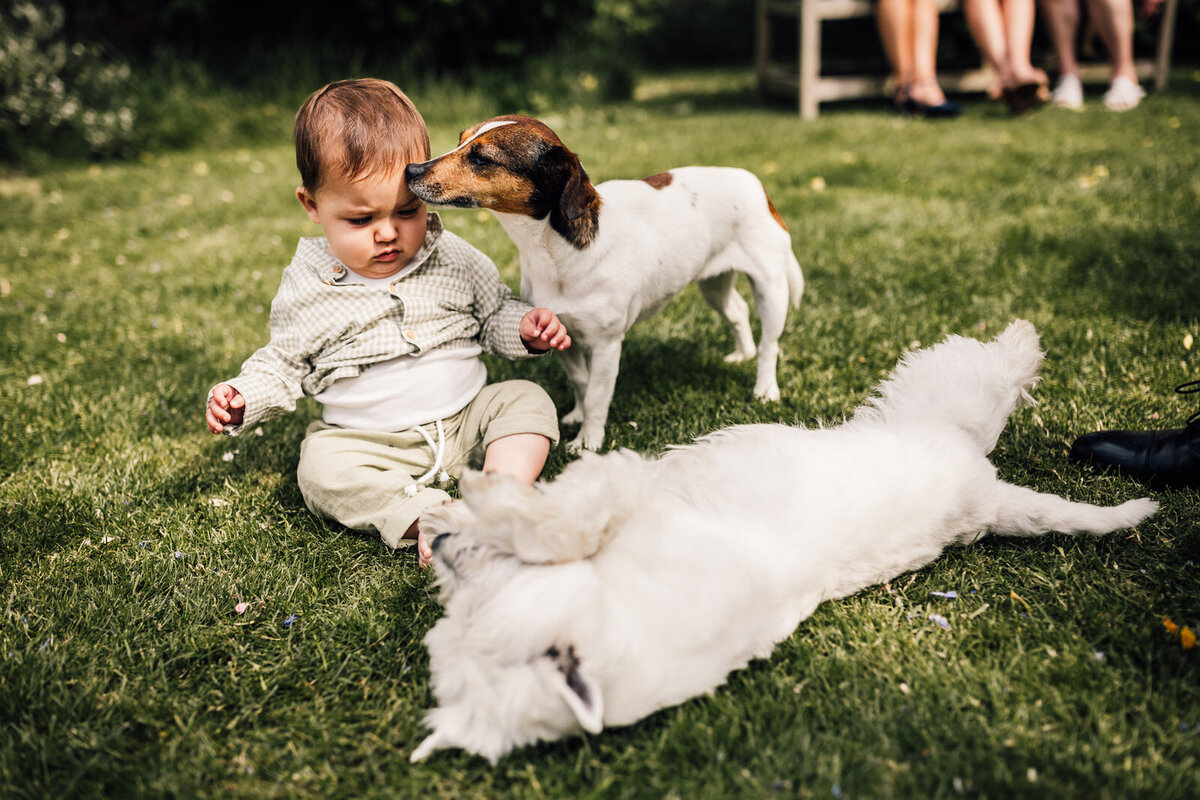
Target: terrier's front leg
602, 379
574, 361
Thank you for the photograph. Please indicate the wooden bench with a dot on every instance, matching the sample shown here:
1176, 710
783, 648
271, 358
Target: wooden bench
813, 88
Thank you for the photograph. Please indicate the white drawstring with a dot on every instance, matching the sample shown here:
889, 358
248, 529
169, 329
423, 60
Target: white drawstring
439, 450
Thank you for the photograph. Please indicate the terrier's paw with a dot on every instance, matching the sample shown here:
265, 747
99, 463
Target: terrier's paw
573, 417
585, 441
768, 393
740, 355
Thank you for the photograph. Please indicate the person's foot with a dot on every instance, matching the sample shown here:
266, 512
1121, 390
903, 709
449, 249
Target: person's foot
1025, 97
927, 99
1068, 93
1123, 94
1169, 458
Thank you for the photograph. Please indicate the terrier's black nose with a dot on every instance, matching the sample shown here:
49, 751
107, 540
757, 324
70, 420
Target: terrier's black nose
437, 540
414, 171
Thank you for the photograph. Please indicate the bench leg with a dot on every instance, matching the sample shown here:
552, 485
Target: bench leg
1166, 38
810, 58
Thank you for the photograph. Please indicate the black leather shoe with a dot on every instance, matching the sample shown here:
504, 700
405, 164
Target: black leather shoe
1167, 458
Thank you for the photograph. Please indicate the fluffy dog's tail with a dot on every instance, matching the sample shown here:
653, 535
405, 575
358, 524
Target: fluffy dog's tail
564, 520
961, 382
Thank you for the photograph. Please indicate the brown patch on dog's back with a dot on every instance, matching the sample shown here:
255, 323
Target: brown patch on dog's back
774, 213
660, 181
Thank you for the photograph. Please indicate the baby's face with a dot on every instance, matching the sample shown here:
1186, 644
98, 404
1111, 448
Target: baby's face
374, 225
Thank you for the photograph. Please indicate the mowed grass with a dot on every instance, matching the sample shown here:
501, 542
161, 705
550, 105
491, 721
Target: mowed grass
128, 533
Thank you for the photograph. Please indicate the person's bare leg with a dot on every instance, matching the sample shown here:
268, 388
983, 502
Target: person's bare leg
521, 455
1062, 23
1018, 19
1114, 22
988, 27
925, 87
894, 19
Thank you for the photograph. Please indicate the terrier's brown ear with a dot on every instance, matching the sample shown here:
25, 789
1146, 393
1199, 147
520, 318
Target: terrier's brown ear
576, 213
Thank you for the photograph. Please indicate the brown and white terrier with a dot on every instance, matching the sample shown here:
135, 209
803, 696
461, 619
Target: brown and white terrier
603, 257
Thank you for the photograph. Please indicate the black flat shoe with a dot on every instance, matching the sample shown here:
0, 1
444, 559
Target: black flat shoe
915, 108
1166, 458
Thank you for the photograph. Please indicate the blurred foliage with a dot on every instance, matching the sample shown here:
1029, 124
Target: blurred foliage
71, 98
203, 70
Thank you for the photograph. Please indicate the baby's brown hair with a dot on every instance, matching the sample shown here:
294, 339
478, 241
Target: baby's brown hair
353, 127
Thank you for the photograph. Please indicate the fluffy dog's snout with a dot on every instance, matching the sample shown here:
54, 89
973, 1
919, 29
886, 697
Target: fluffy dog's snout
439, 540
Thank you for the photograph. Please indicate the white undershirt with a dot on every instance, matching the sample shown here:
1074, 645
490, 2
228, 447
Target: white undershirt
399, 393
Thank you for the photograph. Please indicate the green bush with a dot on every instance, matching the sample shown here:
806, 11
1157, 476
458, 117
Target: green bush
56, 96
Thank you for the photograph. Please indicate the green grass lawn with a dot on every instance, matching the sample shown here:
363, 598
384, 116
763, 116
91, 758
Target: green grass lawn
128, 533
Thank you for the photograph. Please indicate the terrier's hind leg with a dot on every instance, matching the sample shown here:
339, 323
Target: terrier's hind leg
771, 299
720, 293
1024, 512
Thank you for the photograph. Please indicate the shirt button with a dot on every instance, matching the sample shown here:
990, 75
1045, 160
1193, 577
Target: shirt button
409, 333
337, 270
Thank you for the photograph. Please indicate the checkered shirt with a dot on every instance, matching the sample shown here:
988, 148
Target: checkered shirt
324, 326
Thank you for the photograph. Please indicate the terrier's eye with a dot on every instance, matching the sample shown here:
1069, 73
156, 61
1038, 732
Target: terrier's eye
478, 159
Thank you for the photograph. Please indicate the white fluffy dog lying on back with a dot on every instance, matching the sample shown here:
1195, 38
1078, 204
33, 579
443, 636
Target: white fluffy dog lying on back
631, 584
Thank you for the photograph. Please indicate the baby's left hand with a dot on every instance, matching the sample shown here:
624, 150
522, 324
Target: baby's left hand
541, 330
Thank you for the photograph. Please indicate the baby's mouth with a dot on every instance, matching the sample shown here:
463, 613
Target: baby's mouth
388, 255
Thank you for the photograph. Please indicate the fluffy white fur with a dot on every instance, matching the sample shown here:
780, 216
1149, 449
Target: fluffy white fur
630, 584
604, 257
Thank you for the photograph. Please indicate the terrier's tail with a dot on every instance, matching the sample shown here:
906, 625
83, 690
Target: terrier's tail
961, 382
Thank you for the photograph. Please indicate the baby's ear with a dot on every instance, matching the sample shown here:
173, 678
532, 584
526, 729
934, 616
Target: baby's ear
309, 202
563, 673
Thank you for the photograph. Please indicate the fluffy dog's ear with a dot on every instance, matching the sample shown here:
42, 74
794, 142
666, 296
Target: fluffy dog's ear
561, 671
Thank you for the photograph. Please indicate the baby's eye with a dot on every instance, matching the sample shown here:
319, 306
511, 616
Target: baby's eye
408, 213
359, 220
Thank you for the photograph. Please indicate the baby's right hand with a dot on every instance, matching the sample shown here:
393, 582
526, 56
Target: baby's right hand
227, 407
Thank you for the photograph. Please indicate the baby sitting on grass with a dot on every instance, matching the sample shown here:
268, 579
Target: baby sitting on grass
383, 320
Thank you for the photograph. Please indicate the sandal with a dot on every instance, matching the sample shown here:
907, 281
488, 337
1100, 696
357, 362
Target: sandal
1025, 97
1123, 95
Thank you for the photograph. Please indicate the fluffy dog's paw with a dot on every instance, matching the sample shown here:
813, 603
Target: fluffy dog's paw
573, 417
454, 517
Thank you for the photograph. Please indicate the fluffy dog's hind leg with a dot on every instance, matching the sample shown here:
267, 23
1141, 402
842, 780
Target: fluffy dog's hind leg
1024, 512
961, 382
564, 520
720, 293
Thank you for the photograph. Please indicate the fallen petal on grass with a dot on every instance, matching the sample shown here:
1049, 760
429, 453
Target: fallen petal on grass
940, 620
